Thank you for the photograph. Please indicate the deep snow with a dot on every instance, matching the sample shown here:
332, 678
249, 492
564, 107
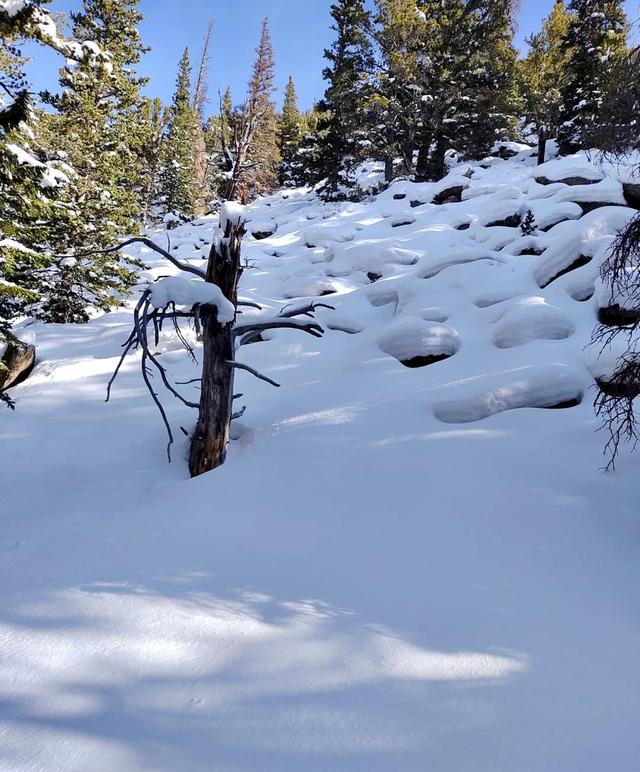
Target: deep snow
398, 568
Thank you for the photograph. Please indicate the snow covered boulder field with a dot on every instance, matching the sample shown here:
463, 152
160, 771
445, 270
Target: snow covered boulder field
412, 559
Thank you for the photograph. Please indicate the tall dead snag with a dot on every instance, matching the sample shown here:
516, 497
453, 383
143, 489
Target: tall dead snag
209, 443
200, 100
209, 302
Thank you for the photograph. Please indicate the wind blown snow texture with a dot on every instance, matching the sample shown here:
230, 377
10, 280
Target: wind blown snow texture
409, 560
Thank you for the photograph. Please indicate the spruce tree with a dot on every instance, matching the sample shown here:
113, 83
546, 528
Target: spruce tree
403, 40
541, 75
263, 153
34, 181
178, 177
343, 126
97, 128
469, 91
290, 134
596, 41
218, 139
252, 156
153, 123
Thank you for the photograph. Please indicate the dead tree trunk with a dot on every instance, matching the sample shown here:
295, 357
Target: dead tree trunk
209, 443
542, 145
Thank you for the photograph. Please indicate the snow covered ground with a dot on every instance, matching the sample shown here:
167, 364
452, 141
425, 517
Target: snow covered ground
400, 567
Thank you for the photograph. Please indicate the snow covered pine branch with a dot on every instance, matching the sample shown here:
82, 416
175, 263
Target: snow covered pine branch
209, 303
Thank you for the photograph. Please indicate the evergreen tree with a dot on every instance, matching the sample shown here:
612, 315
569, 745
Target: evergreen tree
469, 92
263, 153
34, 219
343, 133
96, 126
290, 138
403, 40
218, 139
252, 157
153, 124
596, 41
178, 177
541, 75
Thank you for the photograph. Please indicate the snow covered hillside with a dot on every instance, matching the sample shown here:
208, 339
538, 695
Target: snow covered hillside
411, 560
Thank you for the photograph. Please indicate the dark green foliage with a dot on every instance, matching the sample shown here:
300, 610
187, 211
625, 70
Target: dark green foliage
528, 225
469, 91
97, 126
177, 178
595, 42
290, 135
343, 126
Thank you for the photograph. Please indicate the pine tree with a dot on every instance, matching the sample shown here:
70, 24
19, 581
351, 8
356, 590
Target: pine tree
596, 41
218, 139
263, 149
290, 136
252, 155
178, 177
403, 40
34, 218
469, 91
541, 75
153, 124
342, 129
96, 126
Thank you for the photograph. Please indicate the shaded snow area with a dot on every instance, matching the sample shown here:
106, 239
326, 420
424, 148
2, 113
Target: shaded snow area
412, 559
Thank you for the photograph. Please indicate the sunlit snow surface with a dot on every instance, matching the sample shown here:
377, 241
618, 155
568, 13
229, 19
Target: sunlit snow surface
409, 561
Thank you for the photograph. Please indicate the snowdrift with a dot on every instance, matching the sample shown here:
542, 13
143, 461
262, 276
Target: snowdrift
412, 559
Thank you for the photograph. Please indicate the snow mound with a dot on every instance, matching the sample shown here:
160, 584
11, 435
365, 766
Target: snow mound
191, 292
551, 386
398, 567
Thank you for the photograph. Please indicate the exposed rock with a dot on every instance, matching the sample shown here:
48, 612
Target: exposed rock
19, 359
616, 316
504, 152
589, 206
424, 361
513, 221
578, 263
532, 251
451, 195
260, 235
631, 194
567, 181
416, 203
399, 196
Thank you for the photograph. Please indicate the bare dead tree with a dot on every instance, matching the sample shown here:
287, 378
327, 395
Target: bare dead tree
617, 134
200, 99
201, 95
614, 403
221, 338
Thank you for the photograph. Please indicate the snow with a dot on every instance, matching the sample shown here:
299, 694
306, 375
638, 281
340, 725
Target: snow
397, 568
191, 292
13, 7
231, 213
563, 168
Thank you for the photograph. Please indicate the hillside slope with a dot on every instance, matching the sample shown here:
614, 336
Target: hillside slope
409, 561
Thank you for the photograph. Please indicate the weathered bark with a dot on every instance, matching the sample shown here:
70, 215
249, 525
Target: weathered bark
209, 443
19, 359
388, 169
542, 145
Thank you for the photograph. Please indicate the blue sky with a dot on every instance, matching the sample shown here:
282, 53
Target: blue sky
300, 30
